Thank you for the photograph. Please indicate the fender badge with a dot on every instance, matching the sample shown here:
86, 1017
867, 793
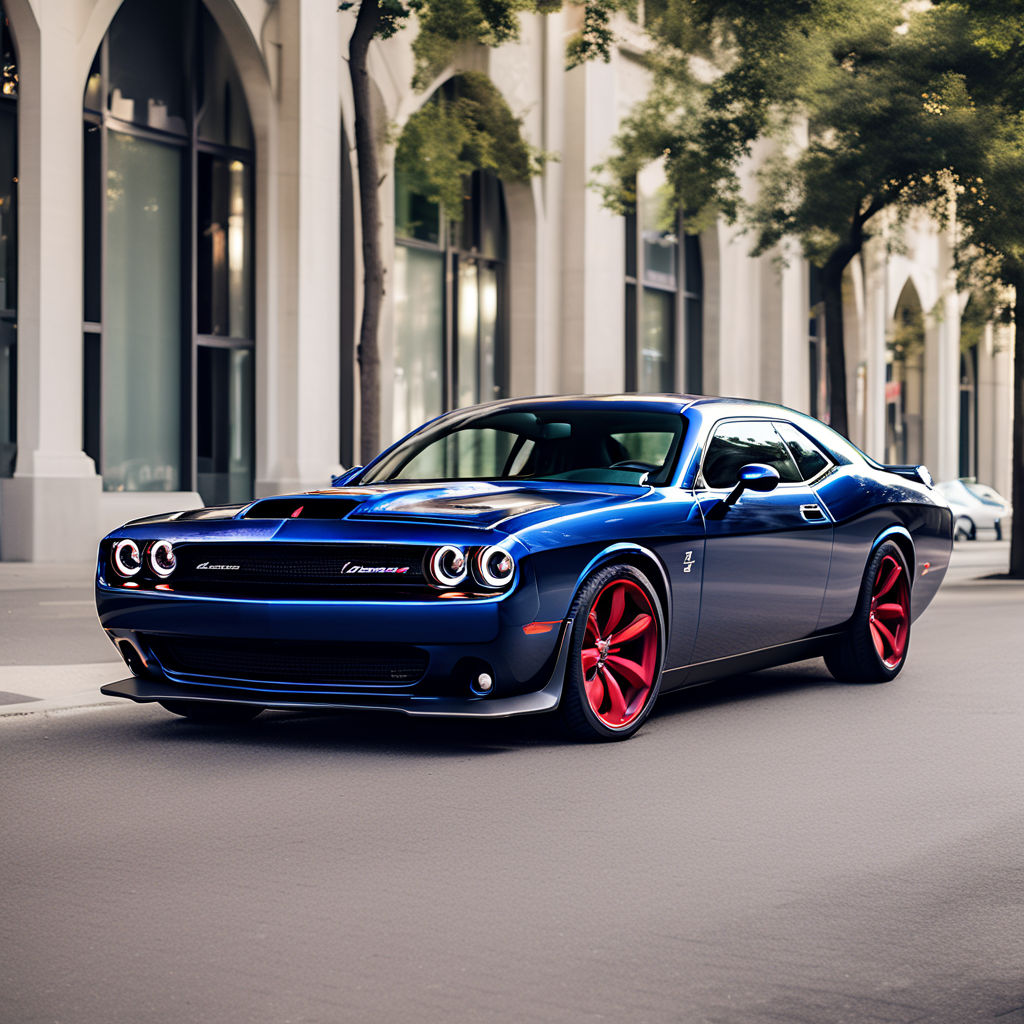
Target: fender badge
688, 562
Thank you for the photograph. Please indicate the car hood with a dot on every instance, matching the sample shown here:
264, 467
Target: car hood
481, 504
472, 503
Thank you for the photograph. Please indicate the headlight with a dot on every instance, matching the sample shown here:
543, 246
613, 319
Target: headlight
161, 558
494, 567
447, 566
126, 558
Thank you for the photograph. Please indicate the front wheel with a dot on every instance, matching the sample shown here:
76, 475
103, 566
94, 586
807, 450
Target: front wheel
615, 657
212, 712
874, 647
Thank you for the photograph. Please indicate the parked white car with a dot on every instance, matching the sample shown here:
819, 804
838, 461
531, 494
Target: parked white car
975, 507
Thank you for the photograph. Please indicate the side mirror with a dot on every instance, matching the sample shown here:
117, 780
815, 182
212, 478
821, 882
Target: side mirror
753, 477
341, 479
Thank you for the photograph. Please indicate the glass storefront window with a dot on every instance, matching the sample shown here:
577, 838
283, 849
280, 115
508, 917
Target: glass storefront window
223, 112
168, 381
148, 82
449, 341
142, 355
419, 338
664, 288
224, 402
224, 300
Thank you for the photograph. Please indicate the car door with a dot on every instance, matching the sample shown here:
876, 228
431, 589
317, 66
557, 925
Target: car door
766, 558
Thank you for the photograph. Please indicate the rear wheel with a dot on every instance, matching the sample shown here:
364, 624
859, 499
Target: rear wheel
874, 647
212, 712
964, 529
615, 657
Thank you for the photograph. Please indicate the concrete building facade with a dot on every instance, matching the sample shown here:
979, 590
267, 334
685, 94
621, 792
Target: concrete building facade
179, 270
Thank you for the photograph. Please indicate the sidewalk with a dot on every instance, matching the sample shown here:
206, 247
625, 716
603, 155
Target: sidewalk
54, 655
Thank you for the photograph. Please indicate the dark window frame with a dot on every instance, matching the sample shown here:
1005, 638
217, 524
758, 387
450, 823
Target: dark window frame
192, 341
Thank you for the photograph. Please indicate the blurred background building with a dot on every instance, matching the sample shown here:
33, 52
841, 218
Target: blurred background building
179, 271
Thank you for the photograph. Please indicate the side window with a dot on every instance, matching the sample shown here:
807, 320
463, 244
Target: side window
808, 459
737, 443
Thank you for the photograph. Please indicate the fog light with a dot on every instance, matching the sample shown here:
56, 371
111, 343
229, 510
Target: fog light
484, 682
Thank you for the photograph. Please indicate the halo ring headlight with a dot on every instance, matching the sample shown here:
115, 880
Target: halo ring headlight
161, 558
126, 558
448, 566
494, 567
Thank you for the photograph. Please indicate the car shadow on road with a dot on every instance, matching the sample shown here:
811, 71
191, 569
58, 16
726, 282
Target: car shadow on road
376, 732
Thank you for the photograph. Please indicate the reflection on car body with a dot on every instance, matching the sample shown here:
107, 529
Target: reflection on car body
569, 554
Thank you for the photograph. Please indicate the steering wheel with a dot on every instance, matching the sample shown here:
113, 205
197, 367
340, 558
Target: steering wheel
640, 467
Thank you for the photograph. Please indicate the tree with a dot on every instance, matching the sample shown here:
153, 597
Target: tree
443, 25
884, 117
990, 195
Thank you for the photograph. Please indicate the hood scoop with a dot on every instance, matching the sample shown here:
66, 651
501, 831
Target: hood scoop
469, 506
301, 506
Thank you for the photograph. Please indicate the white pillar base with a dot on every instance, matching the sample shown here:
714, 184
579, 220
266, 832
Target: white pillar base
49, 518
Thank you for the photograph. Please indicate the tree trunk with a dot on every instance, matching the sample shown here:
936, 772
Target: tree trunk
368, 165
835, 351
1017, 484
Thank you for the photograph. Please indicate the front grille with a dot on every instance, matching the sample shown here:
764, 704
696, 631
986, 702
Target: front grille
253, 568
285, 662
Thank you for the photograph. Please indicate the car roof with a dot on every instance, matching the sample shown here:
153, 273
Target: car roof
664, 401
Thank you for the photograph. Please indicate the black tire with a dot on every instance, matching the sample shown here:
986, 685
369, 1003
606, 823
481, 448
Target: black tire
964, 529
875, 645
211, 712
639, 656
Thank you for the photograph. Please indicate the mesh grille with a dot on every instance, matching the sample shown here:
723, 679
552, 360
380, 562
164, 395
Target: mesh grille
235, 566
285, 662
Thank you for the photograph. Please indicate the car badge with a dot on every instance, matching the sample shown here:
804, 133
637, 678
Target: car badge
353, 567
221, 568
688, 562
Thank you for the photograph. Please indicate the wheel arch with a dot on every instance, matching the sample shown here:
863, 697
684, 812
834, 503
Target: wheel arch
642, 558
900, 536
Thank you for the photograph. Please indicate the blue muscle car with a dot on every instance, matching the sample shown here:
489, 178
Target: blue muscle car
578, 554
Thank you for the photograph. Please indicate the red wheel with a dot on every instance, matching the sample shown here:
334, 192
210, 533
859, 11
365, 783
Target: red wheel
614, 676
889, 617
874, 647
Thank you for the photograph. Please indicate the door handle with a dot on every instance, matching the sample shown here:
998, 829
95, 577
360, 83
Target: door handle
812, 513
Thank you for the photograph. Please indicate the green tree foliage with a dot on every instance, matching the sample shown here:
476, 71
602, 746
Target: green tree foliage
885, 112
990, 194
466, 126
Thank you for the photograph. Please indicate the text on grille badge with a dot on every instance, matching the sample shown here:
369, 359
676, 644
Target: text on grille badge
350, 567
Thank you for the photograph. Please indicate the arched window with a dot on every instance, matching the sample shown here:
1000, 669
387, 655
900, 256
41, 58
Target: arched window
8, 248
905, 376
449, 302
664, 291
168, 264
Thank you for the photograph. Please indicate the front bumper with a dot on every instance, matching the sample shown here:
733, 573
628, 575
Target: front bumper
147, 690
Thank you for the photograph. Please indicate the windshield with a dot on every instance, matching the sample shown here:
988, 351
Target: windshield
607, 445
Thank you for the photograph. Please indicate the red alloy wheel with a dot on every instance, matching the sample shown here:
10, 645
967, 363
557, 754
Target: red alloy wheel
889, 617
620, 653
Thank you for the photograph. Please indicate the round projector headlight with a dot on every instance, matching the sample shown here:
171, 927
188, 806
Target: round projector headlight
161, 558
448, 566
495, 567
126, 558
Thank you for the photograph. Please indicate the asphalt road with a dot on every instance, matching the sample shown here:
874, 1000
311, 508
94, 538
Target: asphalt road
774, 848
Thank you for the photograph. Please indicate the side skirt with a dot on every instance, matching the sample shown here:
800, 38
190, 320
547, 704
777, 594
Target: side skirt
768, 657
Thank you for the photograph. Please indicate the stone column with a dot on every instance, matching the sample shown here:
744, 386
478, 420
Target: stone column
298, 380
48, 509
